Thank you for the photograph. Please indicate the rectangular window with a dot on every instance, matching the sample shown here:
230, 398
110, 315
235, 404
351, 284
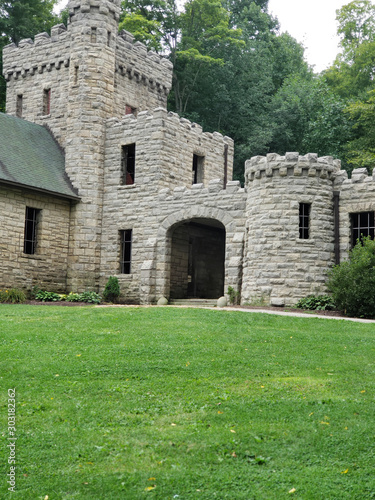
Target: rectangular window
128, 164
304, 221
109, 37
126, 251
19, 105
93, 35
362, 225
198, 165
46, 101
31, 224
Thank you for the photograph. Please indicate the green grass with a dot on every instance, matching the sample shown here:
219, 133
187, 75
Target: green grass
200, 404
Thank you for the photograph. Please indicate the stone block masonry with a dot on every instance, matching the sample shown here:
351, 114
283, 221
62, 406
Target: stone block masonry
282, 265
48, 266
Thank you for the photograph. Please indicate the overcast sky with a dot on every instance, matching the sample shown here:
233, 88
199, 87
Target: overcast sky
313, 23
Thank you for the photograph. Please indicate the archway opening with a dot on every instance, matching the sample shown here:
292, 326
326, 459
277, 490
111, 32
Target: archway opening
197, 259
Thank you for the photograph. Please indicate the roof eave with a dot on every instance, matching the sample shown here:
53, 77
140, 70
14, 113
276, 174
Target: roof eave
71, 197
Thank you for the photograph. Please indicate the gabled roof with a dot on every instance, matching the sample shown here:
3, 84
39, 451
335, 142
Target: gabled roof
30, 157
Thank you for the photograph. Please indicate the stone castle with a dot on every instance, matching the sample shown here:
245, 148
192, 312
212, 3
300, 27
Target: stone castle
98, 179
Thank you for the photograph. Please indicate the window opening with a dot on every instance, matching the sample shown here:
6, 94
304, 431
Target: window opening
46, 101
19, 105
130, 110
109, 35
304, 221
30, 237
128, 164
126, 251
198, 164
93, 35
362, 225
76, 68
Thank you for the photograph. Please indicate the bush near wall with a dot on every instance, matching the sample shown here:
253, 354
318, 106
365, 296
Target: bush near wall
13, 296
352, 283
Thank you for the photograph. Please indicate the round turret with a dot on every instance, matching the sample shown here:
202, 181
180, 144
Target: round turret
290, 227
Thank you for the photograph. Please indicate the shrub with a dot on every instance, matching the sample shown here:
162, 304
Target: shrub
73, 297
316, 303
112, 289
234, 297
90, 297
45, 296
352, 283
13, 295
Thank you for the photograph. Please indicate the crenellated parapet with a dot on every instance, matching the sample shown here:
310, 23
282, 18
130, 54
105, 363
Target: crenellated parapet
43, 54
78, 8
136, 63
292, 164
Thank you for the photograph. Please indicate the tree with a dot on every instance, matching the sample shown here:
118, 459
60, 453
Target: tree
361, 149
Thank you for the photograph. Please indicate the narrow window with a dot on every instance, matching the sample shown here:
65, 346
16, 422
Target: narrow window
19, 105
130, 110
126, 251
93, 35
304, 221
198, 165
76, 68
30, 237
109, 36
46, 101
362, 225
128, 164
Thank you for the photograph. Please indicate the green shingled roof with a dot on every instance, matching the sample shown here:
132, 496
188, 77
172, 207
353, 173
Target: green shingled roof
30, 157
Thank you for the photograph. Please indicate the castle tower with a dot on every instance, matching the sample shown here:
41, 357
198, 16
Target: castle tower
290, 227
93, 27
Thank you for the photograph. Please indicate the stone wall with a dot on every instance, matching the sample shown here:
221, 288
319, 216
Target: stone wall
47, 267
143, 78
357, 194
165, 145
280, 267
153, 217
33, 67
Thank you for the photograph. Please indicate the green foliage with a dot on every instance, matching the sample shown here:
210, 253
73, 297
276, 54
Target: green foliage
352, 283
45, 296
234, 296
13, 296
90, 297
316, 303
112, 289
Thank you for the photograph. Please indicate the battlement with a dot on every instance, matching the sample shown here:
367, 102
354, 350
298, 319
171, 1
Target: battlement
292, 164
215, 187
135, 62
78, 8
169, 119
37, 56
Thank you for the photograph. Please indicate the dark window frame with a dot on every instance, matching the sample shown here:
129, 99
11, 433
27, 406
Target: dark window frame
126, 237
128, 153
30, 243
304, 221
362, 224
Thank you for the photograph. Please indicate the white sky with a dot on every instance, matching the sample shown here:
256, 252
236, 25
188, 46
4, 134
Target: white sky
313, 23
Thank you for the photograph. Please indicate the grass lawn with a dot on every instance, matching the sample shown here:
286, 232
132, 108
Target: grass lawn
167, 403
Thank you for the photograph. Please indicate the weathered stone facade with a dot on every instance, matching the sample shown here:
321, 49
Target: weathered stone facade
156, 204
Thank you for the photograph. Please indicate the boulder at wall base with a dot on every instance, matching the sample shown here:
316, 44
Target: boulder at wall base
222, 302
162, 301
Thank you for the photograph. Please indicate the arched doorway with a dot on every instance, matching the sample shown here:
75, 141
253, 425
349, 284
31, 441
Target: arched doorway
197, 265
